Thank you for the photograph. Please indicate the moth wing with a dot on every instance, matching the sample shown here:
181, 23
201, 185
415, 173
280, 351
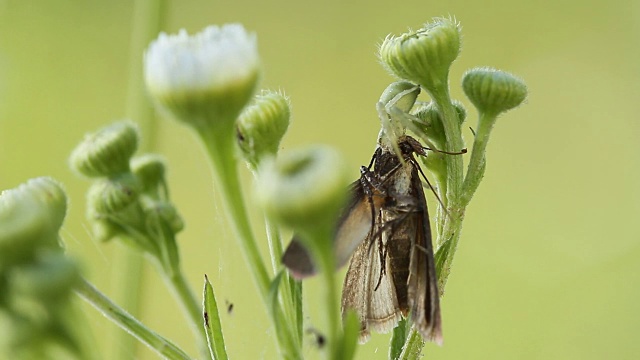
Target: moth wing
354, 225
377, 308
422, 289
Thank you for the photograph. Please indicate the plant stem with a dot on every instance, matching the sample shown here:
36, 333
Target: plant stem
128, 269
127, 274
155, 342
191, 307
287, 295
454, 143
325, 257
450, 221
449, 242
475, 171
221, 151
275, 244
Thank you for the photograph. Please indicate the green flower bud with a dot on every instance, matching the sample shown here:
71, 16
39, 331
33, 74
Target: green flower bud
205, 79
167, 213
303, 189
149, 169
30, 217
110, 196
493, 91
107, 152
423, 56
49, 193
401, 94
430, 125
262, 125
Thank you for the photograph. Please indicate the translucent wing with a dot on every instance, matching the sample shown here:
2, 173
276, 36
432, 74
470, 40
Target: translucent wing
353, 227
369, 293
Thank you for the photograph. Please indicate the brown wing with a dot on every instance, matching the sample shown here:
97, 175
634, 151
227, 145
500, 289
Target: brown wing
422, 289
371, 295
353, 227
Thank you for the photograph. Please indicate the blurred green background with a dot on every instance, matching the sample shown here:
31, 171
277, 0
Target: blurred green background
547, 266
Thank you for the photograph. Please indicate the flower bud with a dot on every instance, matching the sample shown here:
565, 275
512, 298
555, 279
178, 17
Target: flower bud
167, 213
423, 56
493, 91
30, 217
149, 169
205, 79
49, 193
107, 152
430, 124
109, 196
262, 125
401, 94
303, 189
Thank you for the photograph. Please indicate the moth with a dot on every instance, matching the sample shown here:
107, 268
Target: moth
385, 230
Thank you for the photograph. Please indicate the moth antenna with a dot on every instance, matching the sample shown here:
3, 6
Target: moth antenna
463, 151
433, 190
472, 131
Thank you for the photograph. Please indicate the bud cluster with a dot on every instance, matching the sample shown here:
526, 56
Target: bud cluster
128, 198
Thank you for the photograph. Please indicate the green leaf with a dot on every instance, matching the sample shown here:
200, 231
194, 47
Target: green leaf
397, 340
212, 323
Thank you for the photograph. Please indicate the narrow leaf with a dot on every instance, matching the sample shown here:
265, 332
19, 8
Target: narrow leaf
212, 323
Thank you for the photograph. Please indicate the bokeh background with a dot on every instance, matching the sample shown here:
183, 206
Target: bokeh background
549, 260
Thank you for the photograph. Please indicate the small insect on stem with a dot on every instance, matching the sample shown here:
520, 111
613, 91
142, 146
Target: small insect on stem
385, 231
319, 339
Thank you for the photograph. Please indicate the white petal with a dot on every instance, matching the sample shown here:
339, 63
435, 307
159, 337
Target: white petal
211, 59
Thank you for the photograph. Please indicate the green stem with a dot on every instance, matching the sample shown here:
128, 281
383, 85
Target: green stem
220, 145
450, 225
127, 274
475, 171
128, 269
275, 244
325, 257
449, 243
155, 342
455, 210
454, 143
289, 289
191, 307
221, 151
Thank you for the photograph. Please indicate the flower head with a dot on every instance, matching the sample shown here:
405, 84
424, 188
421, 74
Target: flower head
423, 56
262, 125
106, 152
493, 91
303, 189
205, 77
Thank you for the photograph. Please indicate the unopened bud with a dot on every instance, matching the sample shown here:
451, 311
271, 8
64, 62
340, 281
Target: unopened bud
493, 91
107, 152
423, 56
